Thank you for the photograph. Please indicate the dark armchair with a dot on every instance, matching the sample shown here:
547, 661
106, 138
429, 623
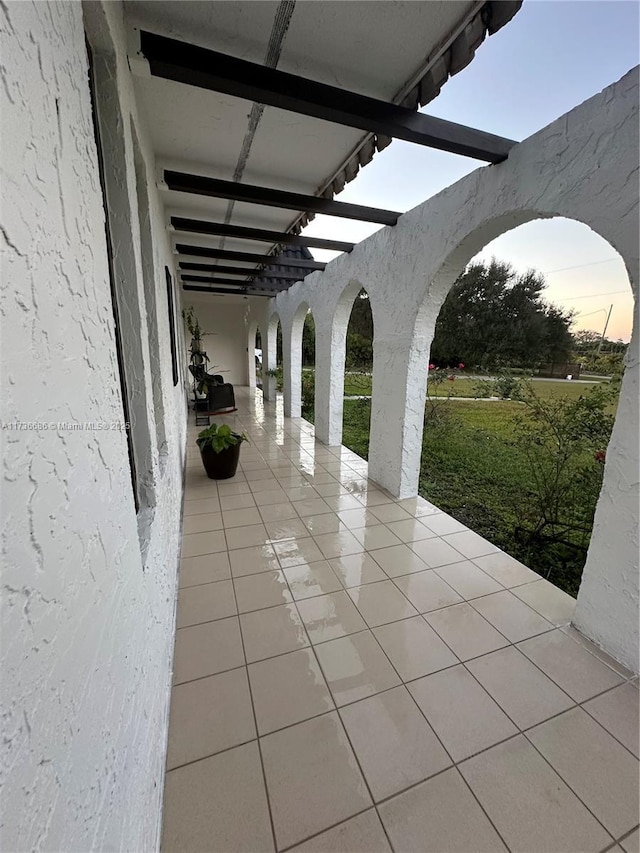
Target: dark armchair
219, 393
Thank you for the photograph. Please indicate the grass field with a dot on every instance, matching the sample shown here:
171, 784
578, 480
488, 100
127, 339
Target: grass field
473, 468
360, 384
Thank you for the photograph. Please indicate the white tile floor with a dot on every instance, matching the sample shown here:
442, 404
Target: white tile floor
356, 673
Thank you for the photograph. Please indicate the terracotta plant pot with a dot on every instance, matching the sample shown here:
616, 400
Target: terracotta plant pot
222, 465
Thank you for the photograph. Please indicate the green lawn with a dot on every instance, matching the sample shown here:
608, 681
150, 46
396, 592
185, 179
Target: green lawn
473, 468
360, 384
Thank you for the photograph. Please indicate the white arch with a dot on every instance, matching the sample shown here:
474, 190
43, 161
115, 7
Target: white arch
331, 339
292, 358
584, 167
269, 351
252, 330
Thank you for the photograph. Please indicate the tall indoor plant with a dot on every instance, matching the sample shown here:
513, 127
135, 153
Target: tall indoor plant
220, 450
195, 330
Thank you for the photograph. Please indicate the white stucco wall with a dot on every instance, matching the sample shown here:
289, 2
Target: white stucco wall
87, 608
583, 166
226, 340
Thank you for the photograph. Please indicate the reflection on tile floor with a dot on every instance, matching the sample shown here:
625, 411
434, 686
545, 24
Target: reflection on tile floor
357, 673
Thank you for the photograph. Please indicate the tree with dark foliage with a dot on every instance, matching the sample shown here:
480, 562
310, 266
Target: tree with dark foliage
494, 316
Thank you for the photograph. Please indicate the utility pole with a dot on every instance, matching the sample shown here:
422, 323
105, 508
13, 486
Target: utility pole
604, 331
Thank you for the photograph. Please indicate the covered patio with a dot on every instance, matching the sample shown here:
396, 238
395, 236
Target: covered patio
310, 655
358, 672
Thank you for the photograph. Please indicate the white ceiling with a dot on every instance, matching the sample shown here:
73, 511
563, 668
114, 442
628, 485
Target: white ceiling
374, 48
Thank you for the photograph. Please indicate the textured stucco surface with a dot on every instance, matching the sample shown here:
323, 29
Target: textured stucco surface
87, 609
583, 166
226, 335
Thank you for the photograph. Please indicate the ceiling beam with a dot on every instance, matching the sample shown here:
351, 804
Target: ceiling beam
243, 292
208, 278
244, 271
199, 185
269, 285
201, 226
249, 257
208, 69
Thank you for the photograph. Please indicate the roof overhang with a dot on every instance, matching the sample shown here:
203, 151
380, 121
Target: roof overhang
259, 113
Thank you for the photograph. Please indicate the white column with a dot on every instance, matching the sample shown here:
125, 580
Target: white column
292, 364
397, 412
269, 359
607, 608
331, 334
251, 355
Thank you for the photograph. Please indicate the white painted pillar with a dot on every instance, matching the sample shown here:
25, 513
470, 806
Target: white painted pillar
607, 609
331, 335
292, 368
397, 412
251, 355
269, 359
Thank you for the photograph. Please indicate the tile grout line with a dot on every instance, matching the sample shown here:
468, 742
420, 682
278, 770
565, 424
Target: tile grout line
510, 644
520, 730
255, 724
562, 779
424, 716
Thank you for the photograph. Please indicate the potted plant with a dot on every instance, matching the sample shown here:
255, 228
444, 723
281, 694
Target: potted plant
195, 331
220, 450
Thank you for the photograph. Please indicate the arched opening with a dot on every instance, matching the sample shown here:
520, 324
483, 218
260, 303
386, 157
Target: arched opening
299, 365
516, 429
308, 383
358, 348
254, 356
272, 371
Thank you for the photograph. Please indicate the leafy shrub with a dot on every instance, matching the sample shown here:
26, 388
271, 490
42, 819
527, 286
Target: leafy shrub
277, 373
219, 437
436, 411
308, 394
563, 443
359, 350
506, 385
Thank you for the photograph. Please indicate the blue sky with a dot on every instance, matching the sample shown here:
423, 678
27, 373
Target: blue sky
552, 56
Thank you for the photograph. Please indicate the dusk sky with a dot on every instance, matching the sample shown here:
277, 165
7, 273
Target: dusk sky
552, 56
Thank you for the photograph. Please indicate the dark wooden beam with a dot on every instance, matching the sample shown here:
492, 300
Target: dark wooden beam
271, 284
199, 185
208, 69
208, 278
201, 226
243, 292
219, 268
250, 257
243, 271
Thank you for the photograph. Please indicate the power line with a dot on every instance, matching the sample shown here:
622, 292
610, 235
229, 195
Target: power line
579, 266
591, 295
591, 313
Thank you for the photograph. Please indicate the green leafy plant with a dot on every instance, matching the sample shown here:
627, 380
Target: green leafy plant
195, 330
189, 316
563, 444
277, 373
207, 381
505, 384
308, 395
219, 437
439, 379
359, 350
